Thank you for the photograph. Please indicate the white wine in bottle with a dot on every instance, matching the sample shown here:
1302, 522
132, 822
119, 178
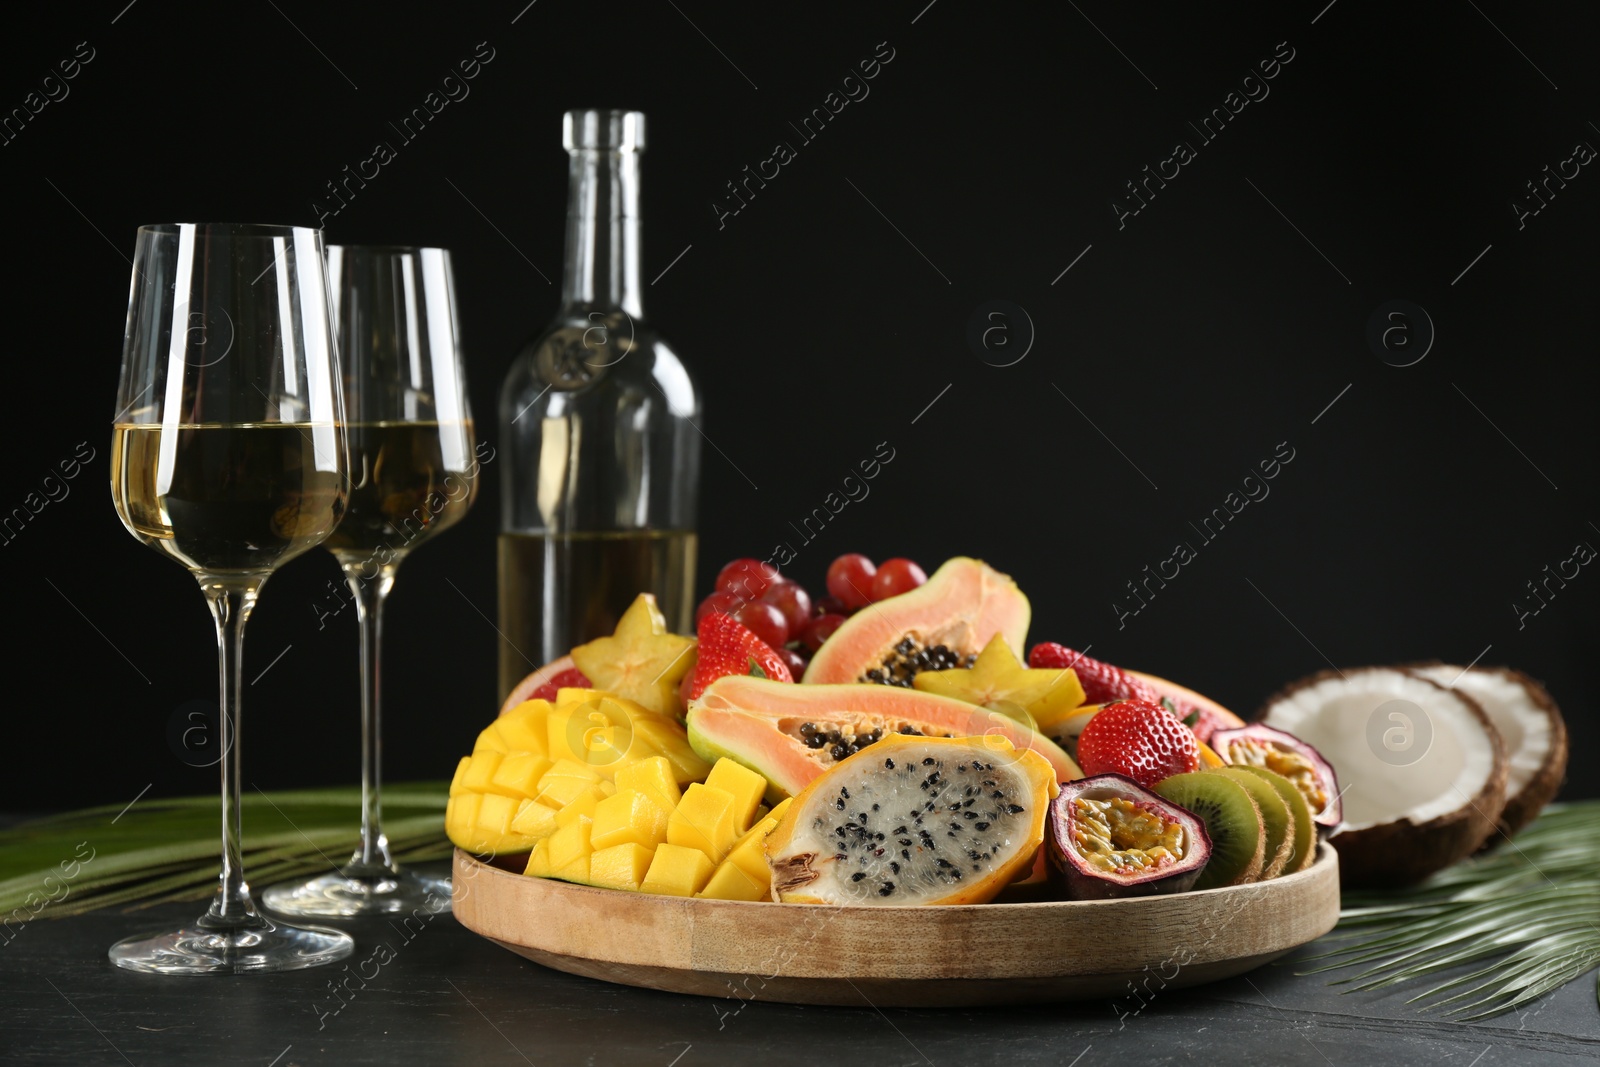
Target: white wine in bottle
600, 472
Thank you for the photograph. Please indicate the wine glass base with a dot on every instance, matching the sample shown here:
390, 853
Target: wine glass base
257, 944
351, 892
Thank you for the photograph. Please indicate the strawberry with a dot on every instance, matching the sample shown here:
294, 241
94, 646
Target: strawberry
1102, 683
572, 678
1139, 739
728, 647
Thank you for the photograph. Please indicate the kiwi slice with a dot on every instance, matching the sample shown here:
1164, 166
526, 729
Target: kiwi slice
1279, 845
1233, 822
1305, 826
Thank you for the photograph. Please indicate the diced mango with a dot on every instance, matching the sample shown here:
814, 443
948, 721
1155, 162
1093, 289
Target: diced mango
570, 842
668, 738
522, 729
479, 774
519, 773
534, 820
581, 806
628, 817
654, 778
746, 786
539, 861
568, 697
564, 781
620, 866
677, 871
576, 871
704, 819
730, 883
481, 823
458, 784
750, 853
596, 732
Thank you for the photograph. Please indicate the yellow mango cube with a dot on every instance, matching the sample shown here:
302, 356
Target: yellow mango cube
731, 883
658, 734
749, 855
479, 774
533, 820
677, 871
581, 806
570, 842
564, 781
458, 783
519, 773
654, 778
522, 729
576, 871
567, 697
620, 866
539, 861
628, 817
704, 820
597, 732
746, 786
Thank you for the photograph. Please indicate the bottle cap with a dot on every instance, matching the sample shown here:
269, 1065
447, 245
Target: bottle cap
603, 129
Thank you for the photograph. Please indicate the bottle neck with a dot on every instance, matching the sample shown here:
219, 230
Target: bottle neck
602, 269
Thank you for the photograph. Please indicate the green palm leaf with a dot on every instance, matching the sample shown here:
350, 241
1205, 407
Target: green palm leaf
167, 849
1531, 908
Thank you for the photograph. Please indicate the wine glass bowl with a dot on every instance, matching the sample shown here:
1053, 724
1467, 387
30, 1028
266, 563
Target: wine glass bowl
229, 457
413, 474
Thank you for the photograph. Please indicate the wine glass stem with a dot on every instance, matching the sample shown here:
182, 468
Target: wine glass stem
370, 594
231, 601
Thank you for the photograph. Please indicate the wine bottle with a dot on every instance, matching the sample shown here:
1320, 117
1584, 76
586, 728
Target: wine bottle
600, 473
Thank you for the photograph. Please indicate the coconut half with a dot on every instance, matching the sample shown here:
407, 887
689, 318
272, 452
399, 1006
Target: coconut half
1531, 726
1422, 768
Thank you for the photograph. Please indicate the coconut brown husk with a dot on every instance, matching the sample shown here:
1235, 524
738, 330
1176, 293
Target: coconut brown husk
1524, 806
1404, 852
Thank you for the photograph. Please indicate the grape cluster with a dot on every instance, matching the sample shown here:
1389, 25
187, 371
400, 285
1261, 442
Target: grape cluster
782, 613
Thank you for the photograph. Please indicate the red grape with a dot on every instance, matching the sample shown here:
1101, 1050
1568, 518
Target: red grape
720, 601
794, 661
791, 599
896, 576
829, 605
765, 621
820, 629
747, 578
850, 579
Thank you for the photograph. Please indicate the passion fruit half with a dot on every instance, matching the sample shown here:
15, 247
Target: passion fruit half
1109, 837
1259, 745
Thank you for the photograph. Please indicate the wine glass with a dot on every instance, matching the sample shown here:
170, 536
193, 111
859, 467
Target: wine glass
414, 474
228, 455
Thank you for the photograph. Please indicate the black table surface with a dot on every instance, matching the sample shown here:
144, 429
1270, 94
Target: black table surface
439, 994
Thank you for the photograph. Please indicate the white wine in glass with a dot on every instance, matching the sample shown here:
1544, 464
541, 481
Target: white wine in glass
414, 474
229, 457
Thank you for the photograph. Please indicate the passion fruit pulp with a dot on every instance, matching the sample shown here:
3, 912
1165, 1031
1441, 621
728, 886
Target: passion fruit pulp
1109, 837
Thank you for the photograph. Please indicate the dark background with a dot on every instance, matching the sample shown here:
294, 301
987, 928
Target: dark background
1196, 339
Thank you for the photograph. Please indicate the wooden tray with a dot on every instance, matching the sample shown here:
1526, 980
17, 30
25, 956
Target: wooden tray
902, 956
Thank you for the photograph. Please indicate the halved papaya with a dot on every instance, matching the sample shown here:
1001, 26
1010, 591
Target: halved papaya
791, 734
944, 622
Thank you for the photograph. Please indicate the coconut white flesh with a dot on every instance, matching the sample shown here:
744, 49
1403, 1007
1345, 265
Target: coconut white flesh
1332, 716
918, 823
1523, 725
